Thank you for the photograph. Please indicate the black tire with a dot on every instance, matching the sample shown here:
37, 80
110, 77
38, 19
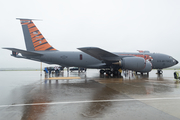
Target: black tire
115, 72
108, 72
101, 72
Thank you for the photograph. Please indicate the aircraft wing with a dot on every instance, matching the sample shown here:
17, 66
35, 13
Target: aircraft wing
23, 52
100, 54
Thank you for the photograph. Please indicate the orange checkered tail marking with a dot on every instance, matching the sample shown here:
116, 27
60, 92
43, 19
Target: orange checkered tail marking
34, 40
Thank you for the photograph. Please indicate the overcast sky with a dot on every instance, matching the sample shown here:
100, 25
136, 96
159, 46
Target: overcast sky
113, 25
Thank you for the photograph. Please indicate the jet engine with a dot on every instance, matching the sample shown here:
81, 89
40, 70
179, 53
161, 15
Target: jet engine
132, 63
147, 68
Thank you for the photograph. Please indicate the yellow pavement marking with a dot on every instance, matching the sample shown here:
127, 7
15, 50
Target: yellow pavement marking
62, 78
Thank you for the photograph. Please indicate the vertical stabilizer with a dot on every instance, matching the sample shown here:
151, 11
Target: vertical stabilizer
34, 40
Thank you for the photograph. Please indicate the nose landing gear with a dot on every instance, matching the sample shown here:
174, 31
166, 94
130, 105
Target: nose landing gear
159, 72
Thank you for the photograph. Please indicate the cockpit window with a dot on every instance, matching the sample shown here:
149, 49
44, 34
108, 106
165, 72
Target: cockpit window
170, 57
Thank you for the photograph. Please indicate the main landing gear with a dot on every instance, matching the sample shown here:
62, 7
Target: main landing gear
110, 72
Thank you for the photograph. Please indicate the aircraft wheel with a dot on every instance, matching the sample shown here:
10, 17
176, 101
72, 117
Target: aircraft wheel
109, 72
102, 72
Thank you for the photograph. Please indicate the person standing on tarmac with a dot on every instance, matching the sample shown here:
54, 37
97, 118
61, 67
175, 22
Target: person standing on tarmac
56, 70
50, 69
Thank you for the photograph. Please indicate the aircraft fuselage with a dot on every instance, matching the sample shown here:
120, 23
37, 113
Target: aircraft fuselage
81, 59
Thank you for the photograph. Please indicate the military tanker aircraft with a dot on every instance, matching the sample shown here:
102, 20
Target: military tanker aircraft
111, 63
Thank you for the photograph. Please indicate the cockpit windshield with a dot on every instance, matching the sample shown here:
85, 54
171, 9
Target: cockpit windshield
171, 57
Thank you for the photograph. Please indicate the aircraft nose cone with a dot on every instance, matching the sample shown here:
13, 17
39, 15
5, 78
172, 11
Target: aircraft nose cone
176, 62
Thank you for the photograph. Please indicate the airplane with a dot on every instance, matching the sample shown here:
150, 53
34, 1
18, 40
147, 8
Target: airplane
111, 63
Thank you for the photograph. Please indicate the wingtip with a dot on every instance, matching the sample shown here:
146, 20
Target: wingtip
4, 48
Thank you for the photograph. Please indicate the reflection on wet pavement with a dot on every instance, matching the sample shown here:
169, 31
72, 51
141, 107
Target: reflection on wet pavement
91, 97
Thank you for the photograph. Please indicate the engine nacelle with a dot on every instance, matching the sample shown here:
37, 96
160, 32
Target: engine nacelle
133, 63
147, 68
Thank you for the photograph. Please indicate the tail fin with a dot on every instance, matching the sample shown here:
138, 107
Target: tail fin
34, 40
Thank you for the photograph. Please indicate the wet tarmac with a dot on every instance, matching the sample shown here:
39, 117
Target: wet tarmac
24, 95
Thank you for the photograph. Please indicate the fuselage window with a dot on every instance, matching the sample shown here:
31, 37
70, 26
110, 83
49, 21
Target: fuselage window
80, 57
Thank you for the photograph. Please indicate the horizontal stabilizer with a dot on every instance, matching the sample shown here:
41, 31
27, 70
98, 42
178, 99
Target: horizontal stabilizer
26, 19
23, 52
